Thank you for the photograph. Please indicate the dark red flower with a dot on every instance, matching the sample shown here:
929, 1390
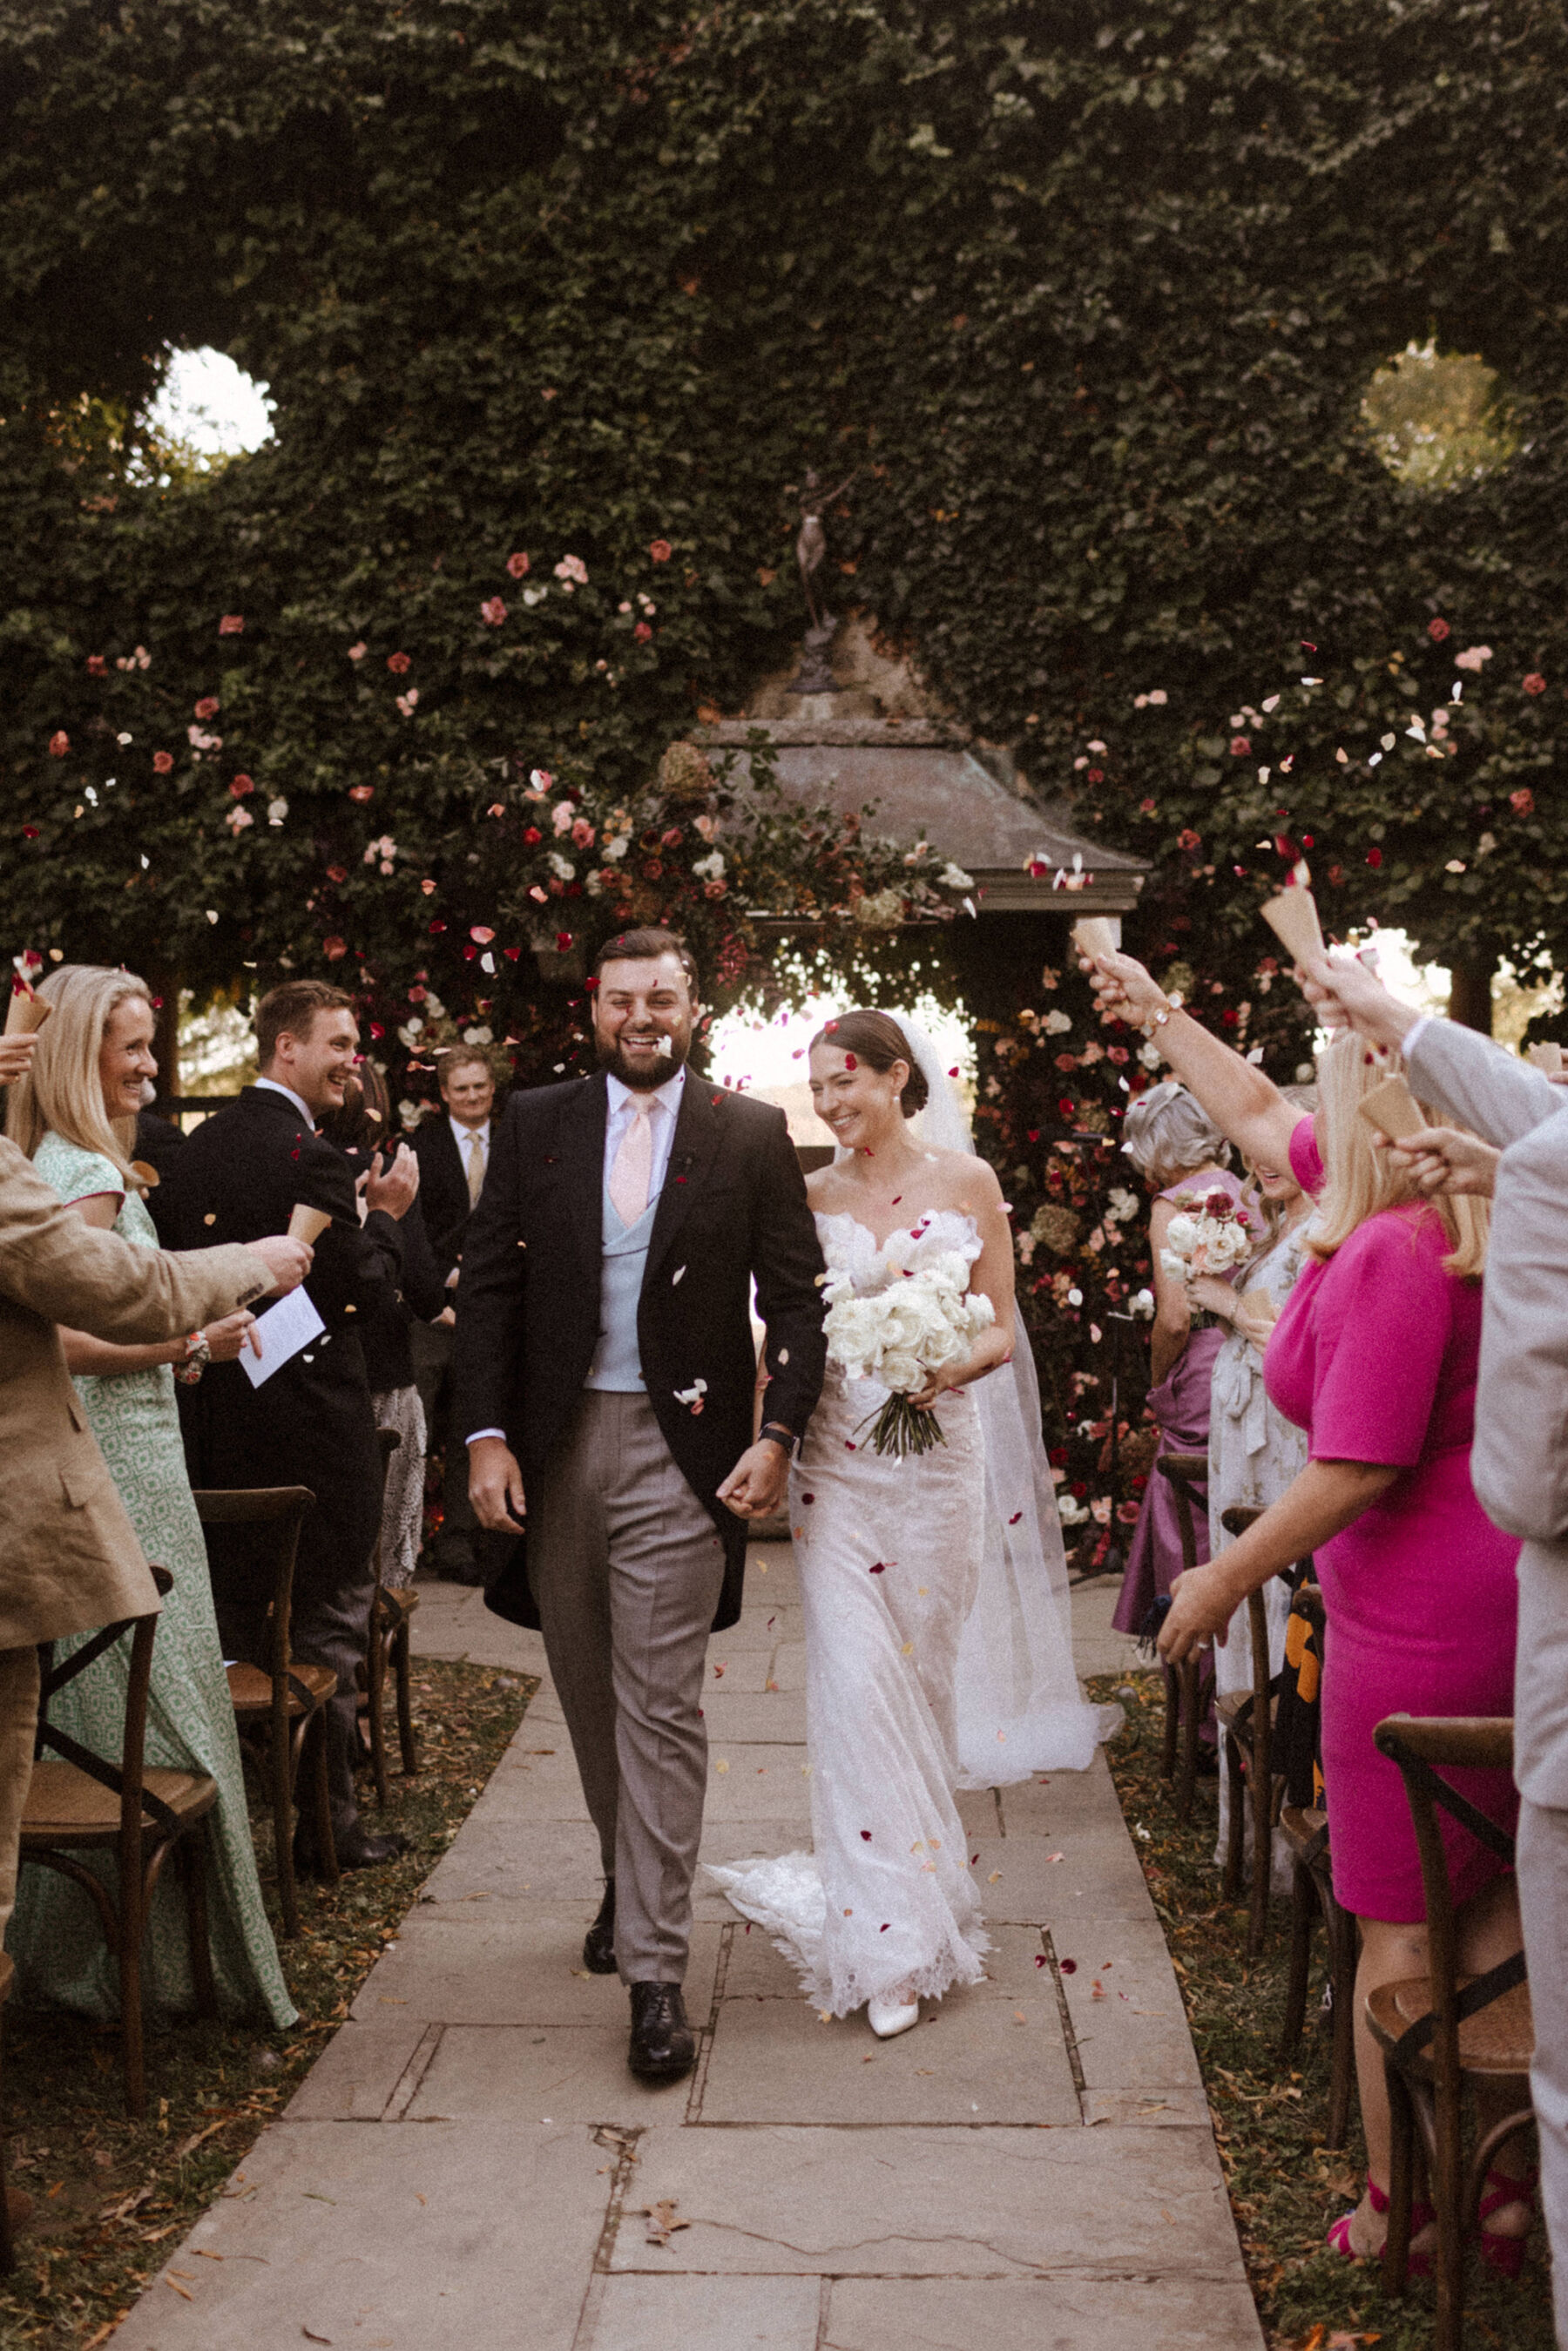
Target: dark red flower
532, 834
1522, 802
398, 663
161, 762
60, 743
1437, 630
1375, 857
1535, 683
240, 788
1241, 745
334, 949
518, 565
1188, 840
1096, 776
95, 665
642, 632
661, 551
563, 941
207, 707
337, 872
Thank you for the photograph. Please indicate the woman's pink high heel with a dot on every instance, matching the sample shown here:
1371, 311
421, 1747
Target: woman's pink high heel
1421, 2217
1506, 2254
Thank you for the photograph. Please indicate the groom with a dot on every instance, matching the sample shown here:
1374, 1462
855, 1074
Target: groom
605, 1368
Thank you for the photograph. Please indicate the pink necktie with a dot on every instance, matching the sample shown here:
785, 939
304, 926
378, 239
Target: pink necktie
633, 1165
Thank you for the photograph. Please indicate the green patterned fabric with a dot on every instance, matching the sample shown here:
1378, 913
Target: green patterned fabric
55, 1937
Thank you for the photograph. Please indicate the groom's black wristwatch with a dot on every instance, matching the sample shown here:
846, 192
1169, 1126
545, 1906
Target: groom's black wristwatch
779, 1434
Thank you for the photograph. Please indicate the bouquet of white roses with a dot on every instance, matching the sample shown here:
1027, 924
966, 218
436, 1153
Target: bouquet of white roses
1207, 1236
922, 1319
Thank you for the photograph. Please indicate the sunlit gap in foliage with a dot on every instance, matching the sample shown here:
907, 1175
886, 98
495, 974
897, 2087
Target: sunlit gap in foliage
1438, 420
206, 410
764, 1049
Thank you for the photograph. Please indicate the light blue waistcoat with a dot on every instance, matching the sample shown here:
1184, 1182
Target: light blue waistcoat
617, 1362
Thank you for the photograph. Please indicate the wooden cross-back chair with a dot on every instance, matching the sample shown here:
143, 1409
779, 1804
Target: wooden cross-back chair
1303, 1826
1188, 1476
280, 1710
81, 1803
1439, 2031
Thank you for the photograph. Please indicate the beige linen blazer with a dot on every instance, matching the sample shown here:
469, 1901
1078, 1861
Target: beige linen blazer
69, 1560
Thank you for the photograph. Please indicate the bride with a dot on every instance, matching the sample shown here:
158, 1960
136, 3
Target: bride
932, 1584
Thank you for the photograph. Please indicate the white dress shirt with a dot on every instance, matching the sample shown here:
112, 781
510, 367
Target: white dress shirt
271, 1086
663, 1114
462, 1135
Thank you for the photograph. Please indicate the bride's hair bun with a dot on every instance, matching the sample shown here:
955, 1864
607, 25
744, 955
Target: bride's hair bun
876, 1038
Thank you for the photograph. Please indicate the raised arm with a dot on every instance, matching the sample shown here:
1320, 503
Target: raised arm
1248, 1108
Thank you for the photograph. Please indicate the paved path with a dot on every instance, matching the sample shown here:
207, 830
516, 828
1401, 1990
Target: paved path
470, 2164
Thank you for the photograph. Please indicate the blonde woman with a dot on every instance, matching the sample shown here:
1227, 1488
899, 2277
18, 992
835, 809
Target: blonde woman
1375, 1356
74, 1113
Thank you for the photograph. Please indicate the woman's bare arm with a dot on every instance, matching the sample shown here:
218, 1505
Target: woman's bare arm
1315, 1507
1248, 1108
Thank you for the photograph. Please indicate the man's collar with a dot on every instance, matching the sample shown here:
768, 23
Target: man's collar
669, 1093
270, 1085
462, 1130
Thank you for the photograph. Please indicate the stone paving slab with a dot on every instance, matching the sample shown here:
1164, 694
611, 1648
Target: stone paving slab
470, 2163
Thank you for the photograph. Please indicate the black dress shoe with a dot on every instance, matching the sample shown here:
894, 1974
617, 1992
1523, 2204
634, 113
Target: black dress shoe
599, 1943
356, 1849
664, 2045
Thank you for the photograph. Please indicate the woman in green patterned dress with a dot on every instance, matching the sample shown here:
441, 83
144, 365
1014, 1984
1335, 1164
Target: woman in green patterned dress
75, 1115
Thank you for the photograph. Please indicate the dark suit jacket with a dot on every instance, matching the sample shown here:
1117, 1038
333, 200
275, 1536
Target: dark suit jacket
444, 1186
733, 1207
420, 1296
239, 1176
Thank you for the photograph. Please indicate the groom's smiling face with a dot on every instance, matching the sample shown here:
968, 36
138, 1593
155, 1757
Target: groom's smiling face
643, 1017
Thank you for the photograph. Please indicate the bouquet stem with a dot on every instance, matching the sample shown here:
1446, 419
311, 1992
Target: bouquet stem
903, 1427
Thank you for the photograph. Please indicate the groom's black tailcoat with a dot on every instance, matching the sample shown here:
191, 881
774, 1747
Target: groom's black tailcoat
733, 1207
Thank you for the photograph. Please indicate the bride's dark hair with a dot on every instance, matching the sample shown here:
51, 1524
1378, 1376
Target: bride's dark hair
876, 1038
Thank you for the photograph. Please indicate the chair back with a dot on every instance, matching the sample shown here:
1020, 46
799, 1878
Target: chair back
124, 1778
277, 1512
1187, 1475
1419, 1745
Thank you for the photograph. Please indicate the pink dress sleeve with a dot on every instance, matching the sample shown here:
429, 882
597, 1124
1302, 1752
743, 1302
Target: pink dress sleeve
1306, 1159
1383, 1317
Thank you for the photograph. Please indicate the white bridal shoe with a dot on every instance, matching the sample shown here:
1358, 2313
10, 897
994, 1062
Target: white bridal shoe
888, 2017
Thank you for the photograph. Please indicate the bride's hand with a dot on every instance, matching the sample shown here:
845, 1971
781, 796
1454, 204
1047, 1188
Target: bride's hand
923, 1398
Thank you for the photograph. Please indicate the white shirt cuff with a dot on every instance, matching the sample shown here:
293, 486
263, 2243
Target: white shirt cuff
1407, 1043
478, 1432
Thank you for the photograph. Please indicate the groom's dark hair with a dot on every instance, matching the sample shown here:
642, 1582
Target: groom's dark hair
647, 946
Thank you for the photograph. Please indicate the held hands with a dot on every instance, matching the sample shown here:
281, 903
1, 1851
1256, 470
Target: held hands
755, 1487
1198, 1613
393, 1188
495, 1485
15, 1058
1442, 1159
226, 1340
288, 1261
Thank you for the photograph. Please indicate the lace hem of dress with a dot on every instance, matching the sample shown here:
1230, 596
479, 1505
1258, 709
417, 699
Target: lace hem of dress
783, 1894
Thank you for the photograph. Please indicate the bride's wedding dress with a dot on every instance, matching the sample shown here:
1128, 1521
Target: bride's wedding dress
938, 1648
888, 1553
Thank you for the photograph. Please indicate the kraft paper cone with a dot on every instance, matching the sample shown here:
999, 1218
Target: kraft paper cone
1292, 916
308, 1225
1546, 1057
1392, 1110
27, 1013
1260, 1305
1092, 935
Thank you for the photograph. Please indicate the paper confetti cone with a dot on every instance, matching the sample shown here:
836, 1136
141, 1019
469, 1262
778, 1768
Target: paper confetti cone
27, 1013
1293, 915
308, 1224
1092, 935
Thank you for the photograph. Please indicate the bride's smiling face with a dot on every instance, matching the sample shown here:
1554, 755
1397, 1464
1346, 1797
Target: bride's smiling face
858, 1103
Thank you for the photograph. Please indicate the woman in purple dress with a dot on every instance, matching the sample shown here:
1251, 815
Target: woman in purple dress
1375, 1356
1180, 1153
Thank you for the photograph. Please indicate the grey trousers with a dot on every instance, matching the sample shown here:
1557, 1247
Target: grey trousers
627, 1566
1541, 1856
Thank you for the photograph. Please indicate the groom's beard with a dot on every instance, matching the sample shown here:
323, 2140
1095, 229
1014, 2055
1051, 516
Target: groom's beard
643, 1076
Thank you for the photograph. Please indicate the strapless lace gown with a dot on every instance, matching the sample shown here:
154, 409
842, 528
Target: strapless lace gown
888, 1553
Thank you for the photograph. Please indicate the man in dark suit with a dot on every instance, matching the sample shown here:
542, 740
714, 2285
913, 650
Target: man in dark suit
454, 1151
241, 1174
605, 1364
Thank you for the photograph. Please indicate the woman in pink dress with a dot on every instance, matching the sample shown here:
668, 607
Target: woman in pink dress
1374, 1355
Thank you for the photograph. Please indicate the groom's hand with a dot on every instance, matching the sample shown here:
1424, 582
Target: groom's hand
755, 1487
495, 1485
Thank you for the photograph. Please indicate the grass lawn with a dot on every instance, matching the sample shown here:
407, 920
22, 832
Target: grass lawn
115, 2197
1269, 2118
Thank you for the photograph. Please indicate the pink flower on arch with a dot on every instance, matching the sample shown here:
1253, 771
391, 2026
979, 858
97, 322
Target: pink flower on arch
96, 666
518, 565
1472, 658
398, 663
493, 611
232, 625
572, 568
357, 652
59, 744
334, 949
240, 788
1534, 682
207, 707
1240, 747
661, 551
642, 632
163, 761
1522, 802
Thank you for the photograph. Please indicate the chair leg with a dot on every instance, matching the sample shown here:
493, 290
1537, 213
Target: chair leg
133, 2045
7, 2250
1343, 1955
1191, 1711
1235, 1826
1262, 1794
1447, 2175
282, 1773
1304, 1910
326, 1845
1401, 2178
375, 1705
194, 1852
402, 1666
1173, 1722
